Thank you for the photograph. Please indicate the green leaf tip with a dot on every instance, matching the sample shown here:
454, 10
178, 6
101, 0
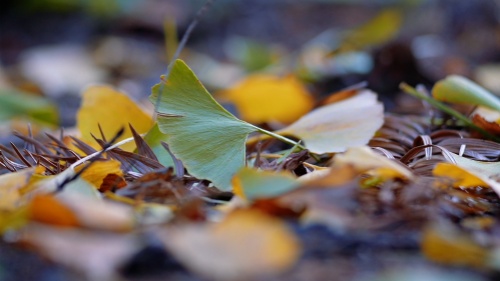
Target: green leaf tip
208, 139
458, 89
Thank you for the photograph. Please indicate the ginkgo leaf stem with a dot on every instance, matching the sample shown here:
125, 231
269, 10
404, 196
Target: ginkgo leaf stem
280, 137
443, 107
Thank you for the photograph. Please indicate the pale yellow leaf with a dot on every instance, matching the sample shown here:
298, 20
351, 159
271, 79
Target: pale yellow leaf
338, 126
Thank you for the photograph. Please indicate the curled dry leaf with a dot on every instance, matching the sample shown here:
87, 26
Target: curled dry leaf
112, 110
247, 244
263, 98
338, 126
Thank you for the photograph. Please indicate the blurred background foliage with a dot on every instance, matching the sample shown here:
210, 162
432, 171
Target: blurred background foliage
55, 48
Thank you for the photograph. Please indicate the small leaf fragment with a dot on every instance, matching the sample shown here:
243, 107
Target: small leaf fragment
98, 170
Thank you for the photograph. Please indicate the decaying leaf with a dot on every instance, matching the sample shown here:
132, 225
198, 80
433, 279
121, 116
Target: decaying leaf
251, 183
265, 98
335, 127
245, 245
112, 110
460, 90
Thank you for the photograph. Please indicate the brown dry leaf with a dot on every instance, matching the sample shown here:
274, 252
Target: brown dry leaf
445, 245
335, 127
96, 255
263, 98
330, 177
246, 244
98, 170
365, 160
112, 110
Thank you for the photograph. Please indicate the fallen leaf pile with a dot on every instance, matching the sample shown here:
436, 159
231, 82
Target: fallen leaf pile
199, 194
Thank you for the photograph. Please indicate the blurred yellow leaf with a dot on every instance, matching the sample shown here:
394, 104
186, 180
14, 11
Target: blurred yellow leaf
335, 127
246, 244
461, 177
448, 246
98, 170
262, 98
113, 110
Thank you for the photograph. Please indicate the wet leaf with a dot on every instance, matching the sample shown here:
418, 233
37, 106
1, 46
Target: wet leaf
458, 89
335, 127
208, 140
245, 245
263, 98
251, 183
112, 110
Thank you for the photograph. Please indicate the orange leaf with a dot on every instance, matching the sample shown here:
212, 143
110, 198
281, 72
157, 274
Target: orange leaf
113, 110
47, 209
262, 98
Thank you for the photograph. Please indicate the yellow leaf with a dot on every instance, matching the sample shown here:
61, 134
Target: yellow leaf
98, 170
246, 244
262, 98
461, 177
113, 110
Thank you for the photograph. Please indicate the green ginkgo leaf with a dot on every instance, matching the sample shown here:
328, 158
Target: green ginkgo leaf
208, 139
458, 89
